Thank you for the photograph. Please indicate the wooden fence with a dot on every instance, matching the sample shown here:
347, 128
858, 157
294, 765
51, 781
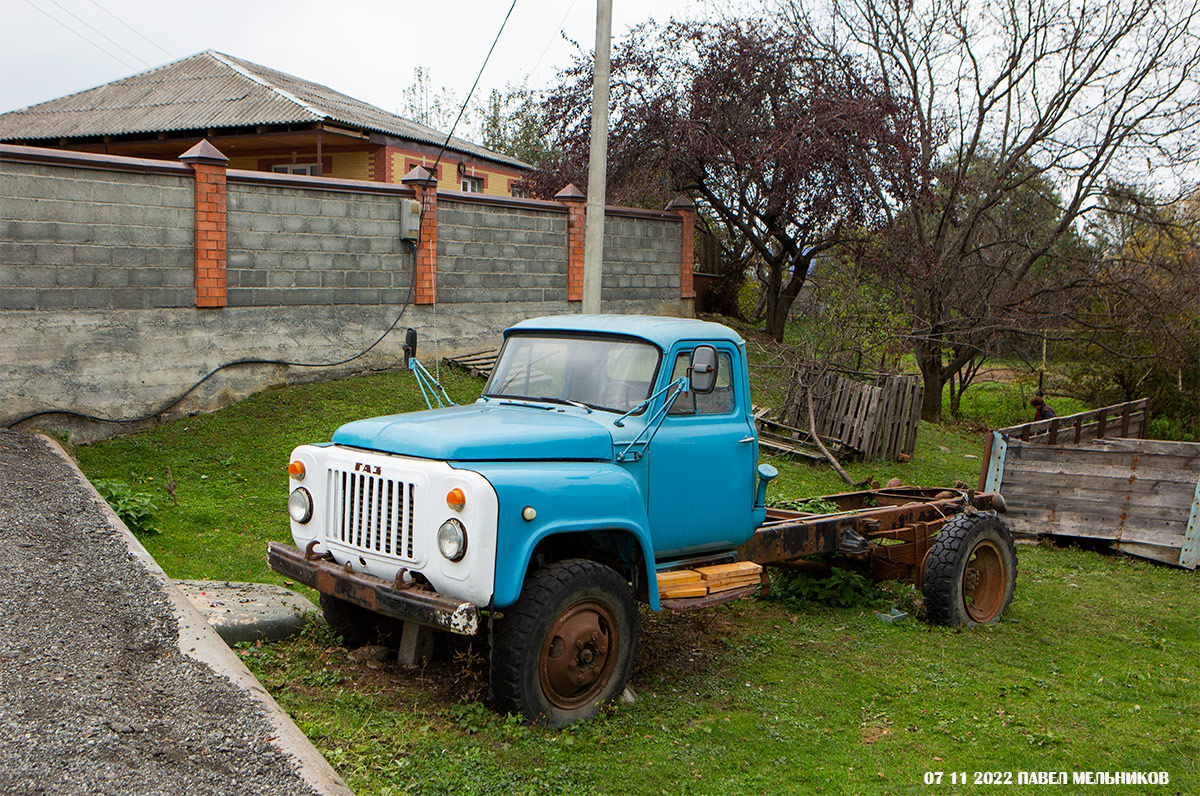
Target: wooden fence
879, 421
1125, 420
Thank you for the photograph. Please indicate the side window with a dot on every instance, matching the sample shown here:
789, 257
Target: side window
719, 401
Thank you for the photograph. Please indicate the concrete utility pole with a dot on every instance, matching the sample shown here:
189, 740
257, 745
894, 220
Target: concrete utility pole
593, 220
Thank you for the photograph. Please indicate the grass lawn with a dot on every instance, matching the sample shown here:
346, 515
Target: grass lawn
1096, 667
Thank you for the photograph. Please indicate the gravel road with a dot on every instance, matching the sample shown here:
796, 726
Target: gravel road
95, 694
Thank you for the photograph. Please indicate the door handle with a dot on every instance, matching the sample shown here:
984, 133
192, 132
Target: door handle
746, 439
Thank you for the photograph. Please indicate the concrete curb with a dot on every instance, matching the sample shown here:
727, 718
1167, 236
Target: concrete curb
200, 642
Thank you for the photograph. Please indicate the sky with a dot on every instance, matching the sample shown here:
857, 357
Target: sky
365, 49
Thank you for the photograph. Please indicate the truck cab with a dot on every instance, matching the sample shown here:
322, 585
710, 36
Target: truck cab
603, 450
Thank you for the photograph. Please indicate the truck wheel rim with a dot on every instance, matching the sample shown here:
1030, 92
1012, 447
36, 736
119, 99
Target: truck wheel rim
579, 655
983, 582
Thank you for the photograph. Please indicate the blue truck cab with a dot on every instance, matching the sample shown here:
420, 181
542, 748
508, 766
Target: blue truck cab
603, 450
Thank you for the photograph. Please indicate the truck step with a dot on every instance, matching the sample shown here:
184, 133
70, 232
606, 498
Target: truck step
709, 600
708, 581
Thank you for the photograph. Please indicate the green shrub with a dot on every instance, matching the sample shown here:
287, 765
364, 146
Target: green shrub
842, 588
136, 509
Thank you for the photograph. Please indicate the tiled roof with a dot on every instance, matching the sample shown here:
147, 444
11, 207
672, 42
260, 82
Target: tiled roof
212, 90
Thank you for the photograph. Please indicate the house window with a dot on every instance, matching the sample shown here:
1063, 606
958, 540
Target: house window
518, 190
472, 184
309, 169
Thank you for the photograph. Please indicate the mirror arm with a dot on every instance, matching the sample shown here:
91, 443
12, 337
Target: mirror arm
679, 386
620, 421
429, 386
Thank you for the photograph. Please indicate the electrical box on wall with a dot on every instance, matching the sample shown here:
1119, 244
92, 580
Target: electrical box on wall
410, 219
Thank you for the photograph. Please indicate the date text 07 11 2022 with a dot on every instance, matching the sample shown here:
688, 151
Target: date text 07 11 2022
1048, 778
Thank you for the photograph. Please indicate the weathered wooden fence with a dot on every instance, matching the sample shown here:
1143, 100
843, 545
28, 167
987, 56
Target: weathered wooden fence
1142, 496
1125, 420
879, 421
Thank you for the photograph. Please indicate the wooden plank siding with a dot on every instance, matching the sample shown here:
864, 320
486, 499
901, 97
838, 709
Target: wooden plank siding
1140, 495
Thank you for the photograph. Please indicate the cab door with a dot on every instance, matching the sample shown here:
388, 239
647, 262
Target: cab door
702, 462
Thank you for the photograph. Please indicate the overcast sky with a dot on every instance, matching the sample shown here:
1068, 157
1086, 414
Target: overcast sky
365, 49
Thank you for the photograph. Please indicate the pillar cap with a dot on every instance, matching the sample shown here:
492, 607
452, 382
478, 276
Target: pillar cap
681, 203
204, 152
419, 175
570, 194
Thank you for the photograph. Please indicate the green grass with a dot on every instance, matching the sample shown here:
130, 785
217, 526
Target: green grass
1097, 665
1095, 668
229, 468
1000, 404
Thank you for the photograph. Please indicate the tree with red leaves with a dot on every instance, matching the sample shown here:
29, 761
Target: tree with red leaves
792, 152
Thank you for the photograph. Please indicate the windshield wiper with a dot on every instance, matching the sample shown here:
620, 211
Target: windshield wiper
520, 402
566, 401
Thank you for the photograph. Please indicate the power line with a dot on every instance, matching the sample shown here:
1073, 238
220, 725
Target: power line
472, 91
561, 23
99, 32
112, 55
167, 52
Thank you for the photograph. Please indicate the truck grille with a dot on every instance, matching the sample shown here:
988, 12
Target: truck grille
371, 513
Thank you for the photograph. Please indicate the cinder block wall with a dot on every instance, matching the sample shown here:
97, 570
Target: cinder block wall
76, 239
98, 283
641, 258
292, 245
495, 253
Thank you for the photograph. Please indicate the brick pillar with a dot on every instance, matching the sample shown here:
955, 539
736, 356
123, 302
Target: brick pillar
687, 257
208, 165
575, 201
425, 186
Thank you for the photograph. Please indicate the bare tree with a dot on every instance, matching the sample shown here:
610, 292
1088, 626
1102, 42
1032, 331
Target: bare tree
793, 151
1060, 98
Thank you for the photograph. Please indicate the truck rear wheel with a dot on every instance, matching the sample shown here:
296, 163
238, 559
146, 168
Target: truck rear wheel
565, 649
971, 571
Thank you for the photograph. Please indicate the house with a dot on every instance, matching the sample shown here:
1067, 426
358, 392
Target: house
262, 120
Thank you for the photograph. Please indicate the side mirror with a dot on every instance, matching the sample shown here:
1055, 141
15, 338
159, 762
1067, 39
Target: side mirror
702, 374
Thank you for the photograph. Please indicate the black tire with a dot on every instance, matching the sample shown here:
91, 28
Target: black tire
357, 626
970, 572
565, 649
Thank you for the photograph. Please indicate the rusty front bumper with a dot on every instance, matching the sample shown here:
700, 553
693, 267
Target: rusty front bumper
408, 602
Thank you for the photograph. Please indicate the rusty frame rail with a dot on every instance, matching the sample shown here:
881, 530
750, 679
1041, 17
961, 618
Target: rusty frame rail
408, 602
894, 536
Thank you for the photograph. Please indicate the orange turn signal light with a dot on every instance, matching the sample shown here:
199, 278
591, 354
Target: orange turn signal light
455, 499
296, 470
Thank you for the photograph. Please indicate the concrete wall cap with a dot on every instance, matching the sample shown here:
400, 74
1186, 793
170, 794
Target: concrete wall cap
419, 175
204, 152
681, 203
570, 194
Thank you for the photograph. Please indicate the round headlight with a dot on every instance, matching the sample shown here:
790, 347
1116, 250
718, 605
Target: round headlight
452, 540
300, 505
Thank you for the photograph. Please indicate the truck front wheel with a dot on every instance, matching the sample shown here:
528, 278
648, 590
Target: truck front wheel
565, 649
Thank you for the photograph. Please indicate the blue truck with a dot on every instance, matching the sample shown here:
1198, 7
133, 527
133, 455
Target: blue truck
604, 452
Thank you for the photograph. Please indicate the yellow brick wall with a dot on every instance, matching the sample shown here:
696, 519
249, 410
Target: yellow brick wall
346, 165
497, 183
351, 165
358, 166
247, 164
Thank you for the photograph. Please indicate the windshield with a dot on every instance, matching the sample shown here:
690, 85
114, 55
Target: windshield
600, 372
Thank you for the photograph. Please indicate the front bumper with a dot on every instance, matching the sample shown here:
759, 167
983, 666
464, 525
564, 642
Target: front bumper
407, 602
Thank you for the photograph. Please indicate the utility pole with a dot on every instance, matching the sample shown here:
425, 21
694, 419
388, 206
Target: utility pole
593, 220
